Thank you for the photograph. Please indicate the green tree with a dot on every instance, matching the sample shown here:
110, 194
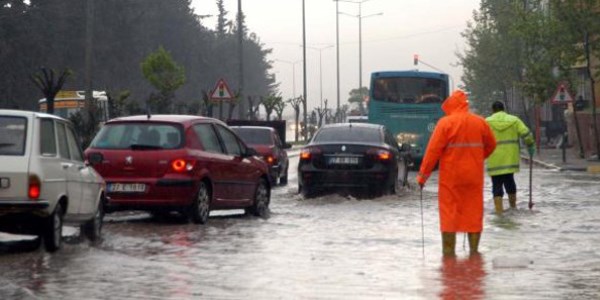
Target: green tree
356, 98
270, 103
46, 82
279, 107
512, 50
296, 105
128, 31
165, 75
118, 105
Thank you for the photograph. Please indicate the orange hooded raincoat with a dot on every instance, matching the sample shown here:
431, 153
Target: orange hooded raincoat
460, 142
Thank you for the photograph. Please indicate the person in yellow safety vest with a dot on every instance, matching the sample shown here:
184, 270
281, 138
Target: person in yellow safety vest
504, 161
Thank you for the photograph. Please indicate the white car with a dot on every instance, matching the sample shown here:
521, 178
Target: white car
44, 180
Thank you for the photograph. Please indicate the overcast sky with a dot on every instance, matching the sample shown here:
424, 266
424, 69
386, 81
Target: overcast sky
430, 28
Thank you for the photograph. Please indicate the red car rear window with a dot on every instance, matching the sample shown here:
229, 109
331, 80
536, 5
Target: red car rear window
140, 135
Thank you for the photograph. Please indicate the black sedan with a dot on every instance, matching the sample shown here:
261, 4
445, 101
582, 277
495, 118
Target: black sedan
352, 155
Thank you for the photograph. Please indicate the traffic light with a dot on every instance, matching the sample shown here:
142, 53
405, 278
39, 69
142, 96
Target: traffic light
416, 59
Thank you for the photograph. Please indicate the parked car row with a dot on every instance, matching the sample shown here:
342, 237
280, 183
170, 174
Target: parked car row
165, 163
158, 163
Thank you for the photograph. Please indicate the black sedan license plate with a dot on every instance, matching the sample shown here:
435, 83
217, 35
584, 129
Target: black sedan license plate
343, 160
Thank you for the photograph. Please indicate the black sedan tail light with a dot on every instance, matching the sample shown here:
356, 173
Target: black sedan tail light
309, 153
380, 154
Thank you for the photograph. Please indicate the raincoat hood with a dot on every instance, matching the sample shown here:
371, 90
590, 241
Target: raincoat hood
501, 121
457, 102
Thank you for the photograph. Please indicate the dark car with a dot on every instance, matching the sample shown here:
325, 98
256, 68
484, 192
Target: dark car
190, 164
268, 145
352, 155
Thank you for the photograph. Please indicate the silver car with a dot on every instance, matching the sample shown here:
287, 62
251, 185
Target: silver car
44, 180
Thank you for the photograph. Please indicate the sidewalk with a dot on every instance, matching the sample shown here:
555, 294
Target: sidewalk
552, 158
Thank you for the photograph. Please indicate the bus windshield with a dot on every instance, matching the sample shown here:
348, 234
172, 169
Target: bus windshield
409, 90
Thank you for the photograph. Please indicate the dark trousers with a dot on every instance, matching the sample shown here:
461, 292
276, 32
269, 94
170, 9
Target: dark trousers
505, 180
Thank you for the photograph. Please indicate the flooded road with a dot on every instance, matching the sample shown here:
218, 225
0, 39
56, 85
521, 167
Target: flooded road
331, 247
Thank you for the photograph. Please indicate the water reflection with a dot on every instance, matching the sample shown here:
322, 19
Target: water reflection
463, 278
505, 221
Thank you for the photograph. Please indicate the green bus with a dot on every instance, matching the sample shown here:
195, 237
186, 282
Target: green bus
408, 103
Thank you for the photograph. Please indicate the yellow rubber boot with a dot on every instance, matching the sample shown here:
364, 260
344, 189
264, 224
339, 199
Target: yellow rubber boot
448, 243
498, 205
512, 200
474, 242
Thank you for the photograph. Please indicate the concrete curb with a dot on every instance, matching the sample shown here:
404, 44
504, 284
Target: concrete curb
541, 163
293, 152
558, 168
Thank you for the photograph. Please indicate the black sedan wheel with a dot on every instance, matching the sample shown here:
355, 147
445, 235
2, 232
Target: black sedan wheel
306, 191
283, 180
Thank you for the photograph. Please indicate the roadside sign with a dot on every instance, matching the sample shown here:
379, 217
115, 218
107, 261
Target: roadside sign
221, 92
562, 95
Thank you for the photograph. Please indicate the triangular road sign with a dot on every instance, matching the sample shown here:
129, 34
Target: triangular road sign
221, 91
562, 95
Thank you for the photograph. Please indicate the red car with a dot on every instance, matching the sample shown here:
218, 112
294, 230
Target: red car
189, 164
267, 143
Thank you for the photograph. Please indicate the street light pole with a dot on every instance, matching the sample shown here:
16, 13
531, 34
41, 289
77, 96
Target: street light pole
360, 17
241, 110
320, 70
337, 53
360, 50
293, 63
304, 69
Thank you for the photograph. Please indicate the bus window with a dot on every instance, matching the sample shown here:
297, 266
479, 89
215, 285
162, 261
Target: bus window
409, 90
408, 104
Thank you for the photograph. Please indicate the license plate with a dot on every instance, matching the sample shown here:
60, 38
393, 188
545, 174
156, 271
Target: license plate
127, 187
343, 160
4, 183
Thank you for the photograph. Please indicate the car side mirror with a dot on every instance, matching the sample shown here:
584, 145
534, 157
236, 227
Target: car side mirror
287, 146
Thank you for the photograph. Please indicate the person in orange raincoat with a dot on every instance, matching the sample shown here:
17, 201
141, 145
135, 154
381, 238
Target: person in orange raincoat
460, 142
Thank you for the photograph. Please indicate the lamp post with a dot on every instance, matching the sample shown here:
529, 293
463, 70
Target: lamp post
305, 117
241, 110
320, 70
360, 17
337, 54
293, 63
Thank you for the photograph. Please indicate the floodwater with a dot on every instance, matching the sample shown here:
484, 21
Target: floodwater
331, 247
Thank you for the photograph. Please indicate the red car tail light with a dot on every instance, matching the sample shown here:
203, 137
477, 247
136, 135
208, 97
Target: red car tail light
34, 188
181, 165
